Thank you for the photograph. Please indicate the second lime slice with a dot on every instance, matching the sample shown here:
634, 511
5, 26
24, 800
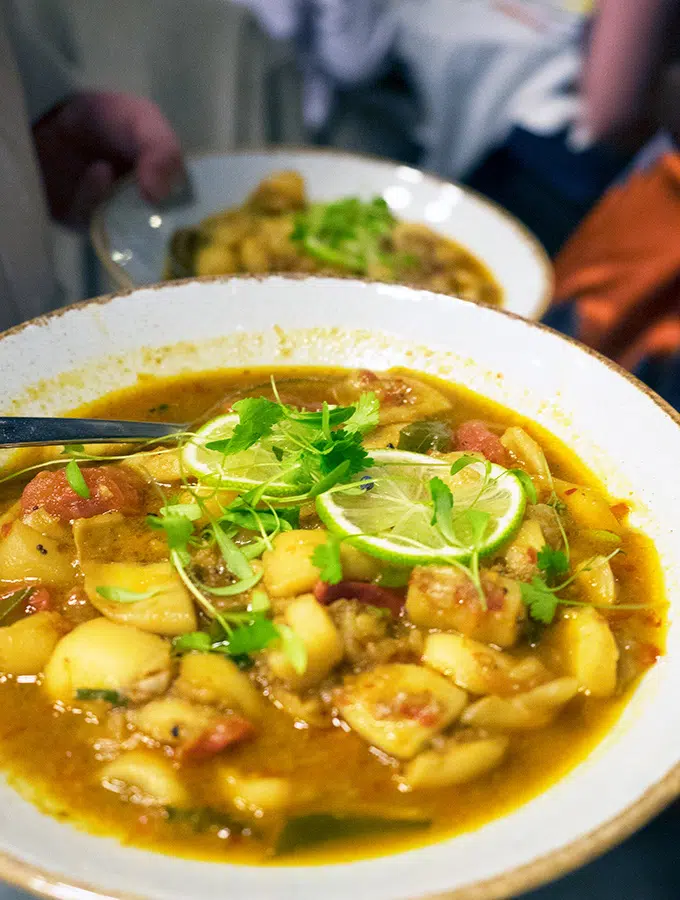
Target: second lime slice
392, 517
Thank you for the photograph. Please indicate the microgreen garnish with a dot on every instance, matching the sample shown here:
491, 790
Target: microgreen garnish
476, 522
294, 648
76, 480
327, 559
462, 463
348, 233
394, 578
542, 601
527, 484
121, 595
73, 450
256, 635
112, 697
602, 535
442, 516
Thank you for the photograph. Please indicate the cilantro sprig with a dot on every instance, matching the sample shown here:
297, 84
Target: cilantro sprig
543, 601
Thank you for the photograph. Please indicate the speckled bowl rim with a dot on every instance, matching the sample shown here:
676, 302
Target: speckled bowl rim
122, 281
523, 878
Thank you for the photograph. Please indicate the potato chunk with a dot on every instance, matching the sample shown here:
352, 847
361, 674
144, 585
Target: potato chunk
587, 507
163, 466
100, 655
255, 794
444, 597
171, 720
313, 624
529, 453
456, 763
597, 582
289, 570
170, 609
402, 398
399, 707
26, 646
521, 554
146, 778
523, 712
588, 650
481, 669
217, 681
27, 555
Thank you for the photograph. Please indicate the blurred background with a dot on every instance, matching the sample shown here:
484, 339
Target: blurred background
493, 93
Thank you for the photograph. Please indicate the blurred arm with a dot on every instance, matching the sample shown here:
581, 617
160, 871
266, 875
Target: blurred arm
625, 56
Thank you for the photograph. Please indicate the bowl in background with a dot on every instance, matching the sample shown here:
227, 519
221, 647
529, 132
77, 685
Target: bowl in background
131, 238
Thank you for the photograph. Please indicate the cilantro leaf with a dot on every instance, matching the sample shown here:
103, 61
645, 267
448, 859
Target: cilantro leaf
76, 480
257, 416
365, 416
344, 447
442, 501
540, 600
553, 563
121, 595
326, 558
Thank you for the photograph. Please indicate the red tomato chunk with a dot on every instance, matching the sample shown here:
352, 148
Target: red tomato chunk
110, 489
475, 437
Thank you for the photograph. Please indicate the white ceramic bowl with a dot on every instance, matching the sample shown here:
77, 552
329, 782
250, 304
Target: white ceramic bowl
131, 238
627, 436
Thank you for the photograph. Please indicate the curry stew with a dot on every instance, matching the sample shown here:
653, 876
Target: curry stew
214, 673
278, 230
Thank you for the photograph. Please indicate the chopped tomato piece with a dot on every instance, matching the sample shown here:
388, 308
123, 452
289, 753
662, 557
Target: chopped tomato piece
371, 594
111, 488
221, 735
40, 600
476, 437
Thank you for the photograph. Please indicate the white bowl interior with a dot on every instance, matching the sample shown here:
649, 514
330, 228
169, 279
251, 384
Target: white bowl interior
138, 235
627, 439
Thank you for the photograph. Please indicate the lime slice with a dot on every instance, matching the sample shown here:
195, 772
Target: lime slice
240, 471
393, 520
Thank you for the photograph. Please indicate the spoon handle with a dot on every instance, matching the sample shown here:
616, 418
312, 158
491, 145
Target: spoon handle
16, 431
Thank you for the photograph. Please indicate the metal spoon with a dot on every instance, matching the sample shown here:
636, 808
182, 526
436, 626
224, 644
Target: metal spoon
17, 431
20, 431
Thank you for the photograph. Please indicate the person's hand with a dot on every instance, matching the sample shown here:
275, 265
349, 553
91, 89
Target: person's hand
92, 139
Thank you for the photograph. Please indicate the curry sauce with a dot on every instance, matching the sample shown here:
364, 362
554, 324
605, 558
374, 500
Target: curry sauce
244, 776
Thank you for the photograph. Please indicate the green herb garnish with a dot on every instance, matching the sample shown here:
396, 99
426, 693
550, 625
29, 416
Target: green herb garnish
326, 558
553, 563
76, 480
9, 603
302, 832
121, 595
112, 697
